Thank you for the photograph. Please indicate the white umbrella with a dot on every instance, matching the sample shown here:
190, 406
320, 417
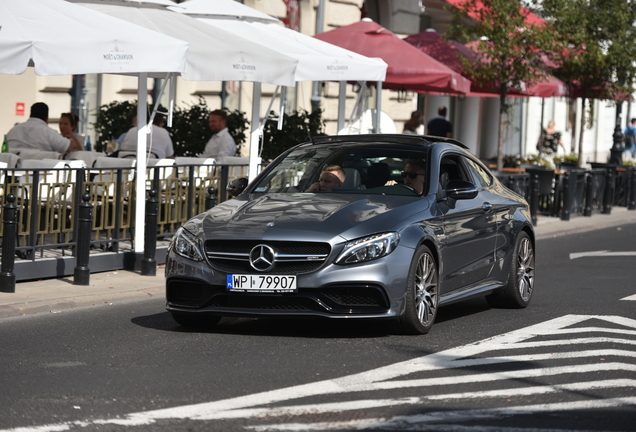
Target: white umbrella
229, 9
59, 38
317, 60
214, 54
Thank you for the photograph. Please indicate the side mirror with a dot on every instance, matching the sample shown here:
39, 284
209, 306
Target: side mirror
460, 189
236, 186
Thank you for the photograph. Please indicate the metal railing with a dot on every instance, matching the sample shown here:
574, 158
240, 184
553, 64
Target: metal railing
48, 203
574, 191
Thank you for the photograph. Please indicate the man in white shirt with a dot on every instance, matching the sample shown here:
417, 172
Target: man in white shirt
37, 135
221, 144
160, 144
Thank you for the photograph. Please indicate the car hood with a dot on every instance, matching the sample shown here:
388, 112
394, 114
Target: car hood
317, 217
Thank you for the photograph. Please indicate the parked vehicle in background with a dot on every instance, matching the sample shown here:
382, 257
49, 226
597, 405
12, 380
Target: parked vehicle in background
374, 247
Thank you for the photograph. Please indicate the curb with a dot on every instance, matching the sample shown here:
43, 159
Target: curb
57, 305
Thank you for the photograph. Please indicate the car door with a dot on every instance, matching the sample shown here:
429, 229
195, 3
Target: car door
470, 229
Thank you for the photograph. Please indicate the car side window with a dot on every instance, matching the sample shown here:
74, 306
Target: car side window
482, 178
450, 169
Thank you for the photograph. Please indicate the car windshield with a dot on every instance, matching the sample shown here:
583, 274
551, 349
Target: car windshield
348, 169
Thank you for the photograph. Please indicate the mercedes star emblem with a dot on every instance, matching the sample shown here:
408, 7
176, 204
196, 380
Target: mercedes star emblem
262, 257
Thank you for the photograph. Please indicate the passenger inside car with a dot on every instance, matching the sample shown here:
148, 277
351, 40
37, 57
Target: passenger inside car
331, 177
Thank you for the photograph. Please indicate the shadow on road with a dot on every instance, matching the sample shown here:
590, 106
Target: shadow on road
306, 327
285, 327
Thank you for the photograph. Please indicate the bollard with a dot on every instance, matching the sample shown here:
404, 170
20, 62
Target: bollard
609, 189
534, 199
9, 233
210, 200
82, 274
631, 205
589, 184
565, 211
149, 263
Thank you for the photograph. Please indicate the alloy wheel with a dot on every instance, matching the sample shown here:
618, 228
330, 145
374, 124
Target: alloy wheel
426, 289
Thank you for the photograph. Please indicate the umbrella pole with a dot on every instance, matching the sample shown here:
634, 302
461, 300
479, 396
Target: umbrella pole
378, 107
256, 131
541, 127
140, 189
342, 101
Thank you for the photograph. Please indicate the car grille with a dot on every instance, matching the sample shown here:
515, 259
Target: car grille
334, 299
232, 256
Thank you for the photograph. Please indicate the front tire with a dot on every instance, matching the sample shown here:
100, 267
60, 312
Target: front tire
518, 291
422, 294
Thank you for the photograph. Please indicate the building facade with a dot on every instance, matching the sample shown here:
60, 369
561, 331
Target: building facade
475, 119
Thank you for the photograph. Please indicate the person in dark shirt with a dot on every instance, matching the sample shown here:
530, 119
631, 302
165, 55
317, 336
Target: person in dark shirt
439, 126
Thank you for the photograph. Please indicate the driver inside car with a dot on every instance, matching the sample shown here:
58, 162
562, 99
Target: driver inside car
331, 177
413, 175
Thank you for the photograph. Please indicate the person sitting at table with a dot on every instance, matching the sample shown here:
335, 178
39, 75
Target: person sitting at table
37, 135
68, 127
160, 144
221, 144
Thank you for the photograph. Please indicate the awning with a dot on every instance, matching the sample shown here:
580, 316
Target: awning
450, 52
409, 68
214, 54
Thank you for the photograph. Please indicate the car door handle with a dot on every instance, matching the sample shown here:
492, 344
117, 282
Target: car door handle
486, 207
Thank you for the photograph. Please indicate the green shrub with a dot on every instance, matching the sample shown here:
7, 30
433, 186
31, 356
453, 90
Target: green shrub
535, 159
298, 127
113, 120
569, 158
190, 129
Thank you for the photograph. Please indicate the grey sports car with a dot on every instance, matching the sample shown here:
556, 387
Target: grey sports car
365, 226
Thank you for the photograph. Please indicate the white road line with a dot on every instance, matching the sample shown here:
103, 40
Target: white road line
526, 391
464, 356
630, 298
414, 422
592, 330
368, 424
340, 407
576, 255
579, 341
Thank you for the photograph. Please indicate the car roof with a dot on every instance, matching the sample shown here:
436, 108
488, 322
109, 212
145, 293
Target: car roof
385, 138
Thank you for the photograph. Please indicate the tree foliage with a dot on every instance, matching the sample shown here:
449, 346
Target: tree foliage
190, 129
511, 52
599, 43
298, 127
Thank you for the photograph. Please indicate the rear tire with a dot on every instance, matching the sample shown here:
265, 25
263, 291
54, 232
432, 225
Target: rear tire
195, 320
422, 291
518, 291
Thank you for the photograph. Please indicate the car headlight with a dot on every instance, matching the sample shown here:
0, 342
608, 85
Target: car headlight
368, 248
185, 244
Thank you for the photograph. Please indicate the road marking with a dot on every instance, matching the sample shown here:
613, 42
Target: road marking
633, 298
465, 357
419, 422
605, 253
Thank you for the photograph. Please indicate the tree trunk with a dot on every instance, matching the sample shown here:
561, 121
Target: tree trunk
580, 161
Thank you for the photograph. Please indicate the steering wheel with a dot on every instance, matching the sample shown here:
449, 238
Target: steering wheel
405, 186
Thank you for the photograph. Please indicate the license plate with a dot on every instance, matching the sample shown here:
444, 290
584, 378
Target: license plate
261, 283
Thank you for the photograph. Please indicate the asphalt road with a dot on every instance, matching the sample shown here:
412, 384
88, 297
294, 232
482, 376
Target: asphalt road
566, 363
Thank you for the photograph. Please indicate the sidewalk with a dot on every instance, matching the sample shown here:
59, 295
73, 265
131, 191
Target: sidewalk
54, 295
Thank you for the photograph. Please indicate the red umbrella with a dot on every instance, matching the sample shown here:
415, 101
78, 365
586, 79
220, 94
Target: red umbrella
408, 69
449, 53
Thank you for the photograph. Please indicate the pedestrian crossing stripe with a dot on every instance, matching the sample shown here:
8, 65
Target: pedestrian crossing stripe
259, 405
